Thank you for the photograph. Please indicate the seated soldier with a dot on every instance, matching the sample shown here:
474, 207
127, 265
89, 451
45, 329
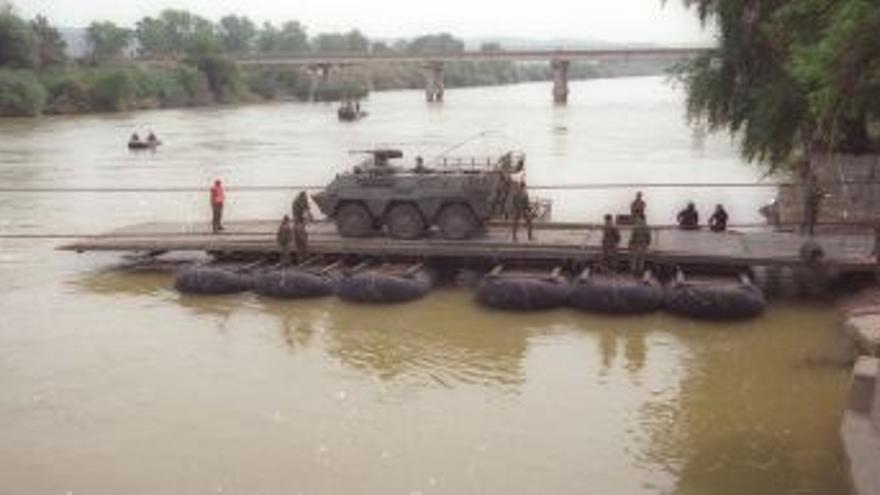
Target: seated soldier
688, 218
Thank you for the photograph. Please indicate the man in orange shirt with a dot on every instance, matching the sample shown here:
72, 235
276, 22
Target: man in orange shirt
217, 199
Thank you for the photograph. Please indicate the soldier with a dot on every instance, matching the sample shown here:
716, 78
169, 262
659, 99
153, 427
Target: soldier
284, 236
718, 220
300, 239
639, 241
637, 207
301, 209
610, 240
522, 209
688, 218
812, 201
218, 197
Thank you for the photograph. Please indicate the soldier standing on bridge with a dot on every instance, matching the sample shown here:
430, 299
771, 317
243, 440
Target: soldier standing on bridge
218, 197
522, 209
813, 196
300, 208
610, 241
637, 207
300, 239
639, 241
284, 236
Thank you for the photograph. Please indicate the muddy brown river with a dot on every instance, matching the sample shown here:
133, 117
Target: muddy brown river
111, 382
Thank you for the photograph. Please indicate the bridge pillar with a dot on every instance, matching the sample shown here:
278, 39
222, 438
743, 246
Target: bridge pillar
318, 75
434, 82
560, 80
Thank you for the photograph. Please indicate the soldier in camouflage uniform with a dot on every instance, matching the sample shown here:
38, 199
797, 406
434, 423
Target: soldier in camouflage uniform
610, 240
639, 241
284, 236
300, 207
522, 209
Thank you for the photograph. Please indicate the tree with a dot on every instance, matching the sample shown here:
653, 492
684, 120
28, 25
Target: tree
293, 38
330, 43
237, 33
788, 76
436, 43
16, 41
50, 45
176, 32
107, 40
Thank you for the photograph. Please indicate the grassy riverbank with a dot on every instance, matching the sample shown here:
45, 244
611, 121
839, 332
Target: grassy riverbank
75, 90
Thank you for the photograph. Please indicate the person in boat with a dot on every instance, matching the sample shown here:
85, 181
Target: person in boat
639, 241
283, 237
637, 207
718, 220
300, 208
134, 139
357, 107
522, 209
689, 218
152, 139
218, 198
610, 241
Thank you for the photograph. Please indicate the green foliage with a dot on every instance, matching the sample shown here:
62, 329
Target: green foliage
237, 33
788, 76
107, 40
112, 90
50, 45
21, 94
176, 32
16, 41
434, 43
351, 42
222, 74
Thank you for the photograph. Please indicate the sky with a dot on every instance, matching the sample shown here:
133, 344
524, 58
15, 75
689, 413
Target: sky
598, 20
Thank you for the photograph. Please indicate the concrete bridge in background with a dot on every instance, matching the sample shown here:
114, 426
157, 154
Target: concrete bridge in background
432, 64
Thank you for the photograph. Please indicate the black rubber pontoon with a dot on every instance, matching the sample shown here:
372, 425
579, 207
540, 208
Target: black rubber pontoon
293, 283
523, 291
209, 280
384, 286
616, 293
719, 298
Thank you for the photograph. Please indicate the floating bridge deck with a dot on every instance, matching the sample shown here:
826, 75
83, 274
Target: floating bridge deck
553, 243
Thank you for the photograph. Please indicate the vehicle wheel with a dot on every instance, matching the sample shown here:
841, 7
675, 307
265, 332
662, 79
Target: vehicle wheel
457, 222
353, 220
405, 221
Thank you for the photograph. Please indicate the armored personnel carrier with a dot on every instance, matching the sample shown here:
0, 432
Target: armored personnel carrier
457, 197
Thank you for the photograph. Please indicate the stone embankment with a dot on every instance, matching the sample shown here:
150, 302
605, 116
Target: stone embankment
861, 420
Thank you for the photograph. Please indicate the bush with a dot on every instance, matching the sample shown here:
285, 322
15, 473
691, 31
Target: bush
67, 93
21, 94
112, 90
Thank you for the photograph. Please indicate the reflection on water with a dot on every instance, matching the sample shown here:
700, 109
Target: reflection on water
114, 383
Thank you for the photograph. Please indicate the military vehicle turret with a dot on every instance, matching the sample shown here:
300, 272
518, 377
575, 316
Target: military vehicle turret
456, 196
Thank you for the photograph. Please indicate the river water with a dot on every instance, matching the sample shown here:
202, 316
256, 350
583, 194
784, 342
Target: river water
113, 383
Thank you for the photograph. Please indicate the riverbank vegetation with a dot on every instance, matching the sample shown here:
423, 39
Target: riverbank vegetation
39, 76
792, 77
